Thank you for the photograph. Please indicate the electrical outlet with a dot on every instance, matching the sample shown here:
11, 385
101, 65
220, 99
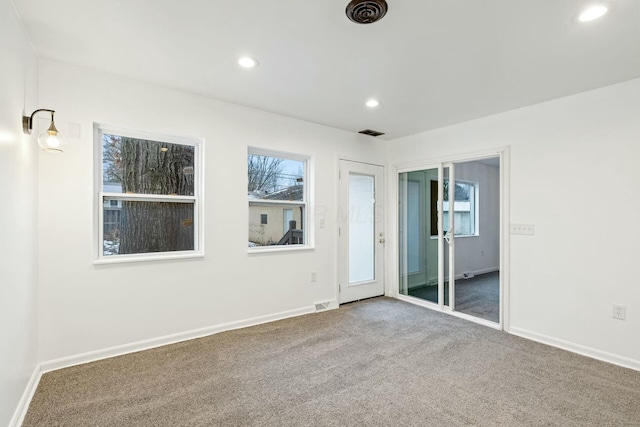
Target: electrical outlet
313, 276
525, 229
619, 312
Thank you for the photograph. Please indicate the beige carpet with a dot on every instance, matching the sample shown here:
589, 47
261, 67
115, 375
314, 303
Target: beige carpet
479, 296
379, 362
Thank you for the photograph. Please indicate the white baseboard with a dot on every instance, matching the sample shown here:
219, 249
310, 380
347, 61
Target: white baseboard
577, 348
460, 276
486, 270
92, 356
25, 399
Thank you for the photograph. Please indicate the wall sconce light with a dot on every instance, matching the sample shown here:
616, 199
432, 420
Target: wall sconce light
51, 140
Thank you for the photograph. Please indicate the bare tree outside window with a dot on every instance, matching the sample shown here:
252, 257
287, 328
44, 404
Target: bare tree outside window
461, 192
264, 172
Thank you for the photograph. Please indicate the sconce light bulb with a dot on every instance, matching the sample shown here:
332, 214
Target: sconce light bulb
52, 140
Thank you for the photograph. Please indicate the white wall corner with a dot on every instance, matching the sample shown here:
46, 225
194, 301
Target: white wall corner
25, 399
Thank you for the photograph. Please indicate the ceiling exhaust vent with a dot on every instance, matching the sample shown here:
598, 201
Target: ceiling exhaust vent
366, 11
371, 132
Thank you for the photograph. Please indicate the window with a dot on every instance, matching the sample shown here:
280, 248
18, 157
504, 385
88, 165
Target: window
465, 208
278, 189
149, 200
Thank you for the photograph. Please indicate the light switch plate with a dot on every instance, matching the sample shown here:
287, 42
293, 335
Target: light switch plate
524, 229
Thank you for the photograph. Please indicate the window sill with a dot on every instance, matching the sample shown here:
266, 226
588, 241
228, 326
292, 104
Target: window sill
118, 259
279, 249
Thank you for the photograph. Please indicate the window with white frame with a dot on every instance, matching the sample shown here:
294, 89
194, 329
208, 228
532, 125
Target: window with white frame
149, 195
465, 208
278, 191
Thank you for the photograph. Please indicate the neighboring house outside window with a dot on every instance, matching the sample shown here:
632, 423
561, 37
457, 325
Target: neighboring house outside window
465, 208
149, 196
277, 191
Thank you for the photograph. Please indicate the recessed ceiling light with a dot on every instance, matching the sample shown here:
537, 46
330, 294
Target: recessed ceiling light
372, 103
592, 13
248, 62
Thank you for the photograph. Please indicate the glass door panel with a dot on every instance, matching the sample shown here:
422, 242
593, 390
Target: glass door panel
418, 234
361, 228
477, 227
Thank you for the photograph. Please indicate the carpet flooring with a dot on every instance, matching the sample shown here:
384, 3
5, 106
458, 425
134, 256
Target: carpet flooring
378, 362
478, 296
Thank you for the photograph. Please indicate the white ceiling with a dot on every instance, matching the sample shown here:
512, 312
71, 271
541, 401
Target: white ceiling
431, 63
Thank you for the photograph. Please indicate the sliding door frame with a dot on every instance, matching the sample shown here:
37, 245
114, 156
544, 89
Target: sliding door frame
394, 220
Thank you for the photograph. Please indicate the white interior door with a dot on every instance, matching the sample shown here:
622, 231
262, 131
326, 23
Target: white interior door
361, 231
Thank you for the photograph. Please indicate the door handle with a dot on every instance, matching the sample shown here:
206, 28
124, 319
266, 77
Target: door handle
447, 237
381, 240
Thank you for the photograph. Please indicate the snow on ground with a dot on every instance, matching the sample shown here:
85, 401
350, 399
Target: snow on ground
110, 247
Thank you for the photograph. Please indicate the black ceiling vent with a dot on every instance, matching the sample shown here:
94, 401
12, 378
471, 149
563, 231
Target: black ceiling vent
366, 11
371, 132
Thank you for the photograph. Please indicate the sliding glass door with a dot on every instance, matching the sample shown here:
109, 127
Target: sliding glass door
439, 238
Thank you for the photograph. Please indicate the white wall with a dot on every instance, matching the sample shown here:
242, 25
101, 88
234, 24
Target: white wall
570, 158
87, 307
18, 208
